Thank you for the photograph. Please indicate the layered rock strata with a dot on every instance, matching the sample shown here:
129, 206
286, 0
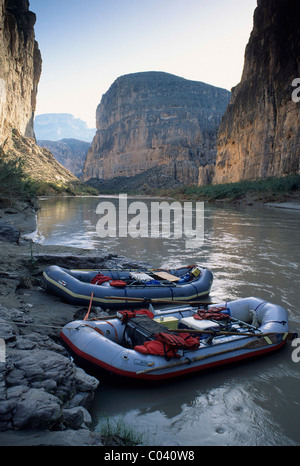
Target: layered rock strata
20, 70
259, 135
155, 119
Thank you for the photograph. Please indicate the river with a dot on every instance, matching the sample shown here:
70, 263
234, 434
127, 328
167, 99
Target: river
252, 251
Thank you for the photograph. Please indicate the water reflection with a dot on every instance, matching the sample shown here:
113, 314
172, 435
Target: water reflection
240, 405
252, 252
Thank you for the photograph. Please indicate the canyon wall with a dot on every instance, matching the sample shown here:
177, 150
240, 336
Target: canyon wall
259, 135
20, 70
155, 119
71, 153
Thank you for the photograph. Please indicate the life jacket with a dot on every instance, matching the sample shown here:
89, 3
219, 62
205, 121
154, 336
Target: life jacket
124, 316
214, 313
157, 348
118, 283
168, 345
182, 341
99, 279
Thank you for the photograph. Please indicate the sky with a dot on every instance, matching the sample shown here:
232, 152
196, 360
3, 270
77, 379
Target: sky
87, 44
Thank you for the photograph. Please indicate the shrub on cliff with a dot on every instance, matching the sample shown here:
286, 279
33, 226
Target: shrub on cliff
13, 182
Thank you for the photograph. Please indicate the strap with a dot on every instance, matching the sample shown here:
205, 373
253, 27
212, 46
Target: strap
195, 289
211, 314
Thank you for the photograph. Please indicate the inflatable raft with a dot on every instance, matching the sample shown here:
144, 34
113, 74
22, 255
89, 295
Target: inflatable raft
168, 344
116, 289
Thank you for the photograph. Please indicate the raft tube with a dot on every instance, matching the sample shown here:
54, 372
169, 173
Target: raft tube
101, 343
75, 287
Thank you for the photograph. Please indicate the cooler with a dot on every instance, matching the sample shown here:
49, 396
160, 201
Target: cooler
190, 322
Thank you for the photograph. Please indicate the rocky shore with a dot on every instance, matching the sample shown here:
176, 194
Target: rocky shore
44, 396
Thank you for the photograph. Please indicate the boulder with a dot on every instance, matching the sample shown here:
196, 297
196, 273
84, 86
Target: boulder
9, 232
36, 408
40, 386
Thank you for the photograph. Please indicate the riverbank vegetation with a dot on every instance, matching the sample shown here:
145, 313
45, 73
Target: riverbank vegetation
149, 183
260, 191
115, 432
16, 186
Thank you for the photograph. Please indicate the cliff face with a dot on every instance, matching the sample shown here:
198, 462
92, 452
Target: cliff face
20, 69
71, 153
259, 135
155, 119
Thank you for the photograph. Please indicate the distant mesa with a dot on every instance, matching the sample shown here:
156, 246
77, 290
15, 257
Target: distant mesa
57, 126
156, 120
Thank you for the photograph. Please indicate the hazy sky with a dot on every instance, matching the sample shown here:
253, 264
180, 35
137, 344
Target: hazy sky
87, 44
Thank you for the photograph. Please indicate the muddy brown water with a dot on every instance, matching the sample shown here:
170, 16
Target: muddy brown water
252, 251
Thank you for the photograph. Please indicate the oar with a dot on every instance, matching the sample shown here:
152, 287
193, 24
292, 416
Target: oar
211, 332
286, 336
158, 301
253, 344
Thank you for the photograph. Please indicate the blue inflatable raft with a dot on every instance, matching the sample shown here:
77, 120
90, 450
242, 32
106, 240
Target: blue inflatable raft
116, 289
